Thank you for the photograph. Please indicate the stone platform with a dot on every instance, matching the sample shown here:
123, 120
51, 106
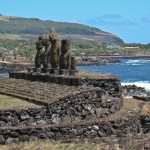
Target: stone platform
61, 102
118, 124
72, 107
110, 84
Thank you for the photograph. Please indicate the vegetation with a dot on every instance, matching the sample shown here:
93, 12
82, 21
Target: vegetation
49, 145
93, 48
132, 103
94, 74
128, 143
31, 27
14, 31
22, 47
16, 25
26, 48
9, 102
141, 46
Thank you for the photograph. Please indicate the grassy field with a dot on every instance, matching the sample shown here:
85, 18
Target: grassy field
11, 102
48, 145
94, 74
132, 103
128, 143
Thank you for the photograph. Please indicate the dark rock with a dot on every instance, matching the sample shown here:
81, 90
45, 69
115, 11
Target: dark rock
2, 140
14, 134
33, 138
101, 134
58, 136
51, 135
42, 136
23, 138
64, 131
54, 129
99, 112
11, 140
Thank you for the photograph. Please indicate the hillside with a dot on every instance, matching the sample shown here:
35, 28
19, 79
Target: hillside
32, 27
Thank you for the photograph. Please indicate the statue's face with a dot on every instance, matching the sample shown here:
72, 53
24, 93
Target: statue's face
39, 45
47, 43
52, 39
65, 46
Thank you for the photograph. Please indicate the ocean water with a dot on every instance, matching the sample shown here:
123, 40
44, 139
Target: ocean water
131, 71
4, 75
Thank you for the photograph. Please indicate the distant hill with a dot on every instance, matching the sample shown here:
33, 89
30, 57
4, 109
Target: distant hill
33, 27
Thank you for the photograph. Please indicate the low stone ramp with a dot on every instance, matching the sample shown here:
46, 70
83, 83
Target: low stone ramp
119, 124
63, 103
37, 91
109, 83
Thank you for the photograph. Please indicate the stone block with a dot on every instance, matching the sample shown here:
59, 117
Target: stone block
30, 69
54, 71
73, 72
37, 70
64, 71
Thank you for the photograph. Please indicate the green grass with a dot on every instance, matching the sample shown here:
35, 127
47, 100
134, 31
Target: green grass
49, 145
94, 74
10, 102
132, 103
128, 143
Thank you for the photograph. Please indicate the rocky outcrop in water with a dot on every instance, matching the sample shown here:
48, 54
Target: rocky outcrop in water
135, 91
97, 61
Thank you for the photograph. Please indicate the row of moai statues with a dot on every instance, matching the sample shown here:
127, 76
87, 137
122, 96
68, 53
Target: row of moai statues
51, 54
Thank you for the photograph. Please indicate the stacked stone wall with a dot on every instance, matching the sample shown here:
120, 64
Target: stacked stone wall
111, 85
145, 123
48, 78
85, 129
72, 108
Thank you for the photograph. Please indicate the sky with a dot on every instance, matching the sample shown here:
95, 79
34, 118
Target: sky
128, 19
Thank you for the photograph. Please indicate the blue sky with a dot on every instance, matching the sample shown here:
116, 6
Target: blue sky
128, 19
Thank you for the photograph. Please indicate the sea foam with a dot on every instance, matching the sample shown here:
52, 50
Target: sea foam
144, 84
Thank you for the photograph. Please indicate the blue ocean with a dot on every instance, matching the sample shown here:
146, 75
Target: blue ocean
131, 71
4, 75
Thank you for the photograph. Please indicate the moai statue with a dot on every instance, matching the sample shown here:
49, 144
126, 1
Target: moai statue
65, 57
40, 51
46, 55
55, 49
73, 63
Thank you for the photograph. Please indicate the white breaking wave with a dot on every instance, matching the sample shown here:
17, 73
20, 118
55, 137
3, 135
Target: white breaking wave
143, 84
138, 61
132, 61
136, 64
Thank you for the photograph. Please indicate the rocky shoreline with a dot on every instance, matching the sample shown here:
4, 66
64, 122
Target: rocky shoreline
97, 61
6, 68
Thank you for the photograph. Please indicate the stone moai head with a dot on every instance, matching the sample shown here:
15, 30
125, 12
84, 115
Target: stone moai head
39, 45
41, 41
41, 38
47, 43
52, 35
65, 45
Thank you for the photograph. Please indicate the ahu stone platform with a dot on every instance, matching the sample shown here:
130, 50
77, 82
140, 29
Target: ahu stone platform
90, 108
61, 102
111, 84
